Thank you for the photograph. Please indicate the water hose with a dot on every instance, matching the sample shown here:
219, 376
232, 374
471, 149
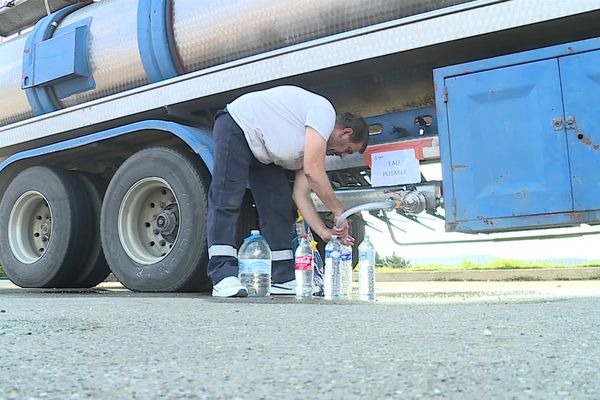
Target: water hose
386, 205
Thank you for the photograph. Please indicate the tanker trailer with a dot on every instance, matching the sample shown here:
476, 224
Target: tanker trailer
106, 115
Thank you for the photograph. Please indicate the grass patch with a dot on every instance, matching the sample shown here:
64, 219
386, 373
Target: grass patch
2, 273
494, 265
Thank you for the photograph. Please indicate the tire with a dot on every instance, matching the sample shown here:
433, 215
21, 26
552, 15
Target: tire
44, 233
95, 269
153, 222
356, 229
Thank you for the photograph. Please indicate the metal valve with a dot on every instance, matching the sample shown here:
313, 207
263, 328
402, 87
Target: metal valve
413, 202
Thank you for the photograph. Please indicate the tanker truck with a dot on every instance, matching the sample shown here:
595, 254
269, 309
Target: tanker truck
106, 111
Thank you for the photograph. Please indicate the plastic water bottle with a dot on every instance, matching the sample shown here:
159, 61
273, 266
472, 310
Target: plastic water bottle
304, 268
346, 273
254, 261
333, 270
366, 277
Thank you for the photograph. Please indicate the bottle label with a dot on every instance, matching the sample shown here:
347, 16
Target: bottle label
346, 256
366, 255
304, 263
332, 254
254, 266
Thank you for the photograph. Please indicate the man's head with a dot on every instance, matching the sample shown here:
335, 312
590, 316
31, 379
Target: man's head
350, 135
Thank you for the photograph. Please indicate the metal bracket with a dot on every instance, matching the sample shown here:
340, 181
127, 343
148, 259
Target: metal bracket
571, 123
557, 123
42, 99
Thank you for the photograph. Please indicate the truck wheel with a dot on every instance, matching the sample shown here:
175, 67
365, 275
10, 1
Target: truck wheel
153, 222
95, 269
43, 228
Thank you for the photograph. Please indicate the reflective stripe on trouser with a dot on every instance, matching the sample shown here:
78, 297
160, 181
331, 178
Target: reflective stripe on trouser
221, 250
235, 167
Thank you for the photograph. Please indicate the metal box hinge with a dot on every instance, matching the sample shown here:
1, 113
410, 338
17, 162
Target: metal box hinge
445, 94
571, 123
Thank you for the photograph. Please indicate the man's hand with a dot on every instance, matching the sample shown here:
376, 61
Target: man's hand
342, 230
347, 240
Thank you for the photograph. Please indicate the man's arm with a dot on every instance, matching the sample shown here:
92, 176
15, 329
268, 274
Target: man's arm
313, 176
315, 148
301, 195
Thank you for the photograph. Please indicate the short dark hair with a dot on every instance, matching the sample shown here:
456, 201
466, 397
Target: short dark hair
360, 129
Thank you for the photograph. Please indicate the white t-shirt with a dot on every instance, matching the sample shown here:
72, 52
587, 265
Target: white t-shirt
274, 122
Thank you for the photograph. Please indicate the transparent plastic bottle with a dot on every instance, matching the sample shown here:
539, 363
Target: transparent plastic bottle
333, 270
304, 267
254, 261
366, 264
346, 273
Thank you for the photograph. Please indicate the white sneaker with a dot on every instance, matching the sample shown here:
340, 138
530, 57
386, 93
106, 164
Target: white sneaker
286, 288
229, 287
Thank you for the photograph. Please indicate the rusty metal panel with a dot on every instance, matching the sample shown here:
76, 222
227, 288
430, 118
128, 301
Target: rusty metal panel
580, 76
506, 157
519, 137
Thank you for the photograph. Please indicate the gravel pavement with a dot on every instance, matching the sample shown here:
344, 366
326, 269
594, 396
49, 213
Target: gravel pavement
459, 343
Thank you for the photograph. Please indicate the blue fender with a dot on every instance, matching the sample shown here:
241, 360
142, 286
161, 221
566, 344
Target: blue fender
199, 140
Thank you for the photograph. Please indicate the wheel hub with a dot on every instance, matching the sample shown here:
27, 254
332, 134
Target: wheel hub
167, 222
29, 227
46, 230
148, 220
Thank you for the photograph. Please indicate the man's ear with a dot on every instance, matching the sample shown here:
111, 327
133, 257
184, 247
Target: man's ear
348, 132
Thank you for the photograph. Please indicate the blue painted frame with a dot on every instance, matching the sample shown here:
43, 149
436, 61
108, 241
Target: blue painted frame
200, 141
154, 45
484, 224
398, 126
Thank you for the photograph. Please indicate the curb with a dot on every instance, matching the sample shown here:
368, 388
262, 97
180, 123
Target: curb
534, 274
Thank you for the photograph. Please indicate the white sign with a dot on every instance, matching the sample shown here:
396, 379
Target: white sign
398, 167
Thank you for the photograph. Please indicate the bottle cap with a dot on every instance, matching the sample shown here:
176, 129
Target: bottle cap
304, 236
334, 236
255, 232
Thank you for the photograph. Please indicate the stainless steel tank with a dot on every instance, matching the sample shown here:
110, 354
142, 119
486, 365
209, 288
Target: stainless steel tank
206, 33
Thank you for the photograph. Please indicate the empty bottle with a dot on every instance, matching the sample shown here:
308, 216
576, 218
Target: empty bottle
333, 270
366, 264
346, 272
254, 261
304, 267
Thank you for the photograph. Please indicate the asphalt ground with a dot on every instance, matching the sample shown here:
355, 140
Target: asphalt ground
457, 340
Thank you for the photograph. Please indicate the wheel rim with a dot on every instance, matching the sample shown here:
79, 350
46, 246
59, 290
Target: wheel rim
29, 227
148, 220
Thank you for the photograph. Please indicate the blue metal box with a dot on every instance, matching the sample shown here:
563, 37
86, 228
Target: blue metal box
520, 139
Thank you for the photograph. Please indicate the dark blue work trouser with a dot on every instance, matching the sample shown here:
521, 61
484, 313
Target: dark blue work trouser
235, 168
